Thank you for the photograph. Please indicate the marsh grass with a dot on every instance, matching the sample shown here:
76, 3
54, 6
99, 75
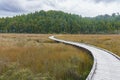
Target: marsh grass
109, 42
39, 56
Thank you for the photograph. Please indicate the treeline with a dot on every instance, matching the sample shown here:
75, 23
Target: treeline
60, 22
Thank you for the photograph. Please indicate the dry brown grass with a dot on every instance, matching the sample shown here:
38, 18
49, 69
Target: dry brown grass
109, 42
42, 55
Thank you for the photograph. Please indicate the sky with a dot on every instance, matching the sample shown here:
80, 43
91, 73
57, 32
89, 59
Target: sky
86, 8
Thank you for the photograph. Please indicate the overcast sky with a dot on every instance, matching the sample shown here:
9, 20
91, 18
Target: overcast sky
80, 7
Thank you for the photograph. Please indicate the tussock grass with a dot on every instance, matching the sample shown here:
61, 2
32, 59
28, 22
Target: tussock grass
42, 58
109, 42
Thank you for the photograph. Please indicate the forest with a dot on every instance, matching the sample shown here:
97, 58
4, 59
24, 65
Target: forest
45, 22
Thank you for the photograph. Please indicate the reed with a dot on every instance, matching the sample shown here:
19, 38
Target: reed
109, 42
40, 58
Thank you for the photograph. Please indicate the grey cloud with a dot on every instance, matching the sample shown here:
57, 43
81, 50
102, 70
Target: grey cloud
10, 6
81, 7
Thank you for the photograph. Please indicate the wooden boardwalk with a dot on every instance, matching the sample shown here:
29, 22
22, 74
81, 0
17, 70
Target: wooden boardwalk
106, 65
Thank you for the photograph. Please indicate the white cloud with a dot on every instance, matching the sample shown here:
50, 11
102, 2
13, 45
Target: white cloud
106, 0
81, 7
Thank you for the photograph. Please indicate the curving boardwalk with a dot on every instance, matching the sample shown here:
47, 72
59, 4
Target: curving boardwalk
106, 65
